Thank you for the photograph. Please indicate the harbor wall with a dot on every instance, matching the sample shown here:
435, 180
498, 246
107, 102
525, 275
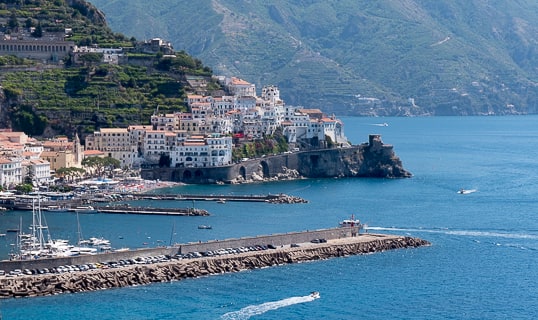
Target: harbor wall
276, 239
41, 285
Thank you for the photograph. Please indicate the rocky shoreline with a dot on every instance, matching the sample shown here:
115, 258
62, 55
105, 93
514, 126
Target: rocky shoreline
43, 285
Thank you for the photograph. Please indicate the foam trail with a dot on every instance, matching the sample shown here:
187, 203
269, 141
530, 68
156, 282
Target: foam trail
469, 233
258, 309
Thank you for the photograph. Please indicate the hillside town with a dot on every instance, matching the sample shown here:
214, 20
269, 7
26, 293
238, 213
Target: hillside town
203, 137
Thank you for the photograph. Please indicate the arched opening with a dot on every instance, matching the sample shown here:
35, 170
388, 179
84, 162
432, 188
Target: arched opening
187, 175
265, 169
243, 172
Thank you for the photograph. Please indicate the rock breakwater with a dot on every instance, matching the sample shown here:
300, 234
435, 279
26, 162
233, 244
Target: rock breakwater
42, 285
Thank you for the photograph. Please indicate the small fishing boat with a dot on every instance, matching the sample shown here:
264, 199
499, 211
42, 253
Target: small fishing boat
203, 226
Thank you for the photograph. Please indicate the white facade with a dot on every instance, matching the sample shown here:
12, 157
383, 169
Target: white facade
155, 144
39, 170
240, 87
202, 137
10, 172
200, 151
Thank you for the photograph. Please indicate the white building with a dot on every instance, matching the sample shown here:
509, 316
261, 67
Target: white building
202, 151
10, 172
240, 87
38, 170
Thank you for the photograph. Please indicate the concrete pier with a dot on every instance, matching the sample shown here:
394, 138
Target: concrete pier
40, 285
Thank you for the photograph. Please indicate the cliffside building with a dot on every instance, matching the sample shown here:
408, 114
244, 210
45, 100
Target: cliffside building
51, 47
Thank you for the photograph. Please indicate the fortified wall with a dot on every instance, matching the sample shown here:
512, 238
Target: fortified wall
372, 159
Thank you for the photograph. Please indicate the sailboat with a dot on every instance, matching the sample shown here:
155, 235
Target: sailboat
39, 243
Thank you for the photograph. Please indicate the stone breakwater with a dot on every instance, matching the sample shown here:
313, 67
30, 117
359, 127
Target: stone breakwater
42, 285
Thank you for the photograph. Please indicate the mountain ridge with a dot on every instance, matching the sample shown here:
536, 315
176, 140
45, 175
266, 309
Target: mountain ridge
415, 57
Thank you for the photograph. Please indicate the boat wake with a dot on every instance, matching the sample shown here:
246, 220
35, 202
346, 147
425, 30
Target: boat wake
384, 124
468, 233
258, 309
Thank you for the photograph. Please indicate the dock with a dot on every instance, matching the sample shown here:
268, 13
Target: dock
127, 209
269, 198
115, 275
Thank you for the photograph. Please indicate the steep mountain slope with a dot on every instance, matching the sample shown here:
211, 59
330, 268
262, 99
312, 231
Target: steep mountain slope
398, 57
67, 96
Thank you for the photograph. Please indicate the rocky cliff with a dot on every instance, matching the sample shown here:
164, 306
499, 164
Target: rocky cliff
373, 159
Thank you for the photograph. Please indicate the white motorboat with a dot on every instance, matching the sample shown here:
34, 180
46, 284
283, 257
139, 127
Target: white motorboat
204, 227
55, 208
83, 209
315, 294
466, 191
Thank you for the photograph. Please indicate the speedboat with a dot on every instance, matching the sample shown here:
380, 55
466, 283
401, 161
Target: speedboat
314, 294
464, 191
204, 227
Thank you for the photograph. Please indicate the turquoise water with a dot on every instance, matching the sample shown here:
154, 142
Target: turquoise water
481, 265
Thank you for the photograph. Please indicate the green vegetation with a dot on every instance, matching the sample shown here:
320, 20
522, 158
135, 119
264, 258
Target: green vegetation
89, 95
70, 174
101, 166
273, 144
453, 57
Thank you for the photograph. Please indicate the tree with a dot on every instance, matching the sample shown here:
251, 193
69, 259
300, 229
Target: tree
13, 23
109, 164
24, 188
29, 23
38, 32
101, 165
70, 173
29, 179
93, 163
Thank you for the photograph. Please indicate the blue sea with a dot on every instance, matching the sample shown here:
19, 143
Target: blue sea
482, 264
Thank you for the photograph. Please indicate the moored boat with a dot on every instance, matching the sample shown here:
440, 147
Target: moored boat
350, 222
83, 209
55, 208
